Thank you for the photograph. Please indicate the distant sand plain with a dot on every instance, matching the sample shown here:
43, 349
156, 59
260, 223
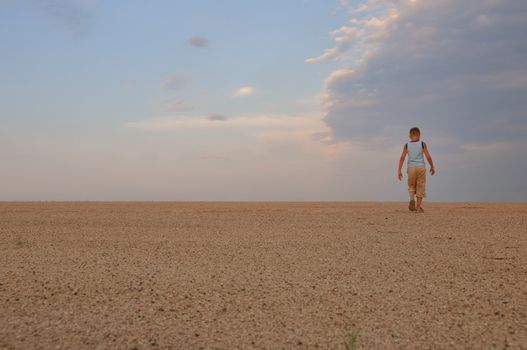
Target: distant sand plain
175, 275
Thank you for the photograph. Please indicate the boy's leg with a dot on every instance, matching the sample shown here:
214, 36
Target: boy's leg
412, 179
420, 188
419, 202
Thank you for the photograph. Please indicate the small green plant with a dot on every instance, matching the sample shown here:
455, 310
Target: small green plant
351, 343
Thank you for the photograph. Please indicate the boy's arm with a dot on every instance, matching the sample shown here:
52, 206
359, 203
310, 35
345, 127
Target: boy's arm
401, 162
429, 158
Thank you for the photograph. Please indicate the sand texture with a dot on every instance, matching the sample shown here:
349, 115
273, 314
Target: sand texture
163, 275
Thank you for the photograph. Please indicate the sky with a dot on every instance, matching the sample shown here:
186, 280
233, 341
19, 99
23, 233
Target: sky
296, 100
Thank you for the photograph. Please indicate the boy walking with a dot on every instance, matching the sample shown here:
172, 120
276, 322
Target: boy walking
415, 149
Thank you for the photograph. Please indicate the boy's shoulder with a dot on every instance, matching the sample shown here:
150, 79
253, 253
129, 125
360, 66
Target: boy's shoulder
418, 141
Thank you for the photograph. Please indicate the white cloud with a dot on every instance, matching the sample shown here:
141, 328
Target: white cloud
308, 134
339, 74
359, 40
244, 91
326, 56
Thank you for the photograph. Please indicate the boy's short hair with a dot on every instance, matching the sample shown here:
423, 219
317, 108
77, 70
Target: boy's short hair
415, 131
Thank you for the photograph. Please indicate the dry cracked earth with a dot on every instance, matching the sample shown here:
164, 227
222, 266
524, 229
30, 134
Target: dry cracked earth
174, 275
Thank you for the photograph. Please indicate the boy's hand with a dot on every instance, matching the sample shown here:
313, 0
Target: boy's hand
432, 171
400, 176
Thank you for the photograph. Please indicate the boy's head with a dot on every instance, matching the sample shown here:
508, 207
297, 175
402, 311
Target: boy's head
415, 134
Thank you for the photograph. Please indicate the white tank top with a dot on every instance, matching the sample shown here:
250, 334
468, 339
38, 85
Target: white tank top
415, 154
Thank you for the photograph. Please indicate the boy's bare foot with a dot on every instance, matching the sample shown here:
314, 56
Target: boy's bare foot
411, 205
420, 210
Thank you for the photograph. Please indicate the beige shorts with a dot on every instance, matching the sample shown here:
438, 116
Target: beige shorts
417, 181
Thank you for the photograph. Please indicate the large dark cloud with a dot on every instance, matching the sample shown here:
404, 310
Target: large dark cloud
456, 68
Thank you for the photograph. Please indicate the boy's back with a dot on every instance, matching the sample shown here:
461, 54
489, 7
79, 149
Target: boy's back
415, 153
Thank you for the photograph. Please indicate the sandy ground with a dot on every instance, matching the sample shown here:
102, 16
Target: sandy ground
262, 276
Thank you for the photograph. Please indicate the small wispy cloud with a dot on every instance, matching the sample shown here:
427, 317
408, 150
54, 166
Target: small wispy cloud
217, 117
131, 83
71, 15
248, 121
198, 41
175, 104
244, 91
173, 82
327, 55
